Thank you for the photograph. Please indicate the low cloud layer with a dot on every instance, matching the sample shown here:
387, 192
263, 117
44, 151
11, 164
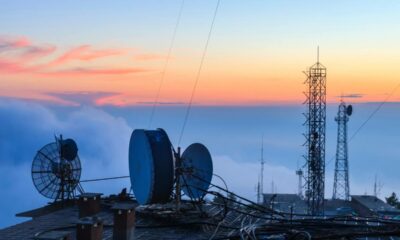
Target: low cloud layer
26, 127
233, 136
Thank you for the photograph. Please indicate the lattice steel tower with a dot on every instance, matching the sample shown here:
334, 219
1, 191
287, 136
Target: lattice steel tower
315, 137
341, 189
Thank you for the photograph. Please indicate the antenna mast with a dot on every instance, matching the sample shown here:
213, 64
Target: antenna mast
315, 137
299, 173
341, 188
262, 169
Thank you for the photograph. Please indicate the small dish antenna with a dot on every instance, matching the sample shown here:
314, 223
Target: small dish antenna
349, 110
198, 170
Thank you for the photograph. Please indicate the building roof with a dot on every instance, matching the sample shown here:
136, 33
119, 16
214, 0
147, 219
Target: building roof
158, 221
373, 203
194, 220
285, 202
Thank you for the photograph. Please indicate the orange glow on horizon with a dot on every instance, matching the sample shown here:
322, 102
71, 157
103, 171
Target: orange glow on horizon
45, 72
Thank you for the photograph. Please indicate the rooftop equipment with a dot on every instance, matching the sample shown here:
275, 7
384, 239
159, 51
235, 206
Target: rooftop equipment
56, 170
156, 168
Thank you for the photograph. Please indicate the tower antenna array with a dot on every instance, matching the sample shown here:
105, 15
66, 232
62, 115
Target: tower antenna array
341, 189
315, 137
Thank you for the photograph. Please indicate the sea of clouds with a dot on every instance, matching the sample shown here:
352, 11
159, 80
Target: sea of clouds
233, 136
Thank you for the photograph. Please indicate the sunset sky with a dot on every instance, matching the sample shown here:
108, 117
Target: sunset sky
90, 70
113, 53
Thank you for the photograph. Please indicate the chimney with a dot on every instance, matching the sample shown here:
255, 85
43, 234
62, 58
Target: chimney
89, 204
54, 235
124, 221
89, 228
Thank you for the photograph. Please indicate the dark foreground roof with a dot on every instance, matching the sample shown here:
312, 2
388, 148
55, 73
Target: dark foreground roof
374, 204
203, 221
152, 222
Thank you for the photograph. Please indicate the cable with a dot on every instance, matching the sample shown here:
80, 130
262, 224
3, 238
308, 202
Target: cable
198, 73
103, 179
171, 46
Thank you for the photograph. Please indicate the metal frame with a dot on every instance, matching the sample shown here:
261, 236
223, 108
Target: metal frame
341, 188
315, 138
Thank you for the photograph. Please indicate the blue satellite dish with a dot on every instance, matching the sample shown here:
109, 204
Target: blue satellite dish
198, 170
151, 166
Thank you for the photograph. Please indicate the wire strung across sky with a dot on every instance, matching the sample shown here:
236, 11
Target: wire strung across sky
199, 72
171, 46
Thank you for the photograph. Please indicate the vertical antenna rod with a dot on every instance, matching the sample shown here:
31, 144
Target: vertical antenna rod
262, 169
299, 173
315, 137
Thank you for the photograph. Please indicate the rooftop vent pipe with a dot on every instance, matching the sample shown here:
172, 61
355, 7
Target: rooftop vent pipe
89, 204
124, 221
89, 228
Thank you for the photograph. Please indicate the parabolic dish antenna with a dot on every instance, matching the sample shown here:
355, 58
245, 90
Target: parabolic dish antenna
349, 110
151, 166
198, 170
54, 174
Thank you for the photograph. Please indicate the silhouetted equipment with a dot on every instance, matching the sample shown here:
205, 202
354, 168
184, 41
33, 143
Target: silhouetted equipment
261, 184
341, 186
198, 170
56, 170
299, 173
151, 166
315, 137
349, 110
69, 149
155, 167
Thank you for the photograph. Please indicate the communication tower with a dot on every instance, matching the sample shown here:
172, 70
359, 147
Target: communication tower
341, 189
315, 137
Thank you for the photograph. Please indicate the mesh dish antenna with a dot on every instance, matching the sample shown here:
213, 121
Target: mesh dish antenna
198, 171
151, 166
56, 170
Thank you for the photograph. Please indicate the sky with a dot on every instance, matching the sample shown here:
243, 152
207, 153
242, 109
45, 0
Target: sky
114, 53
90, 70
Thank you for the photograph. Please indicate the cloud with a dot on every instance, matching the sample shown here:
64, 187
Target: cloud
82, 98
12, 43
352, 95
85, 53
148, 57
233, 173
33, 52
26, 127
19, 55
161, 103
80, 71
